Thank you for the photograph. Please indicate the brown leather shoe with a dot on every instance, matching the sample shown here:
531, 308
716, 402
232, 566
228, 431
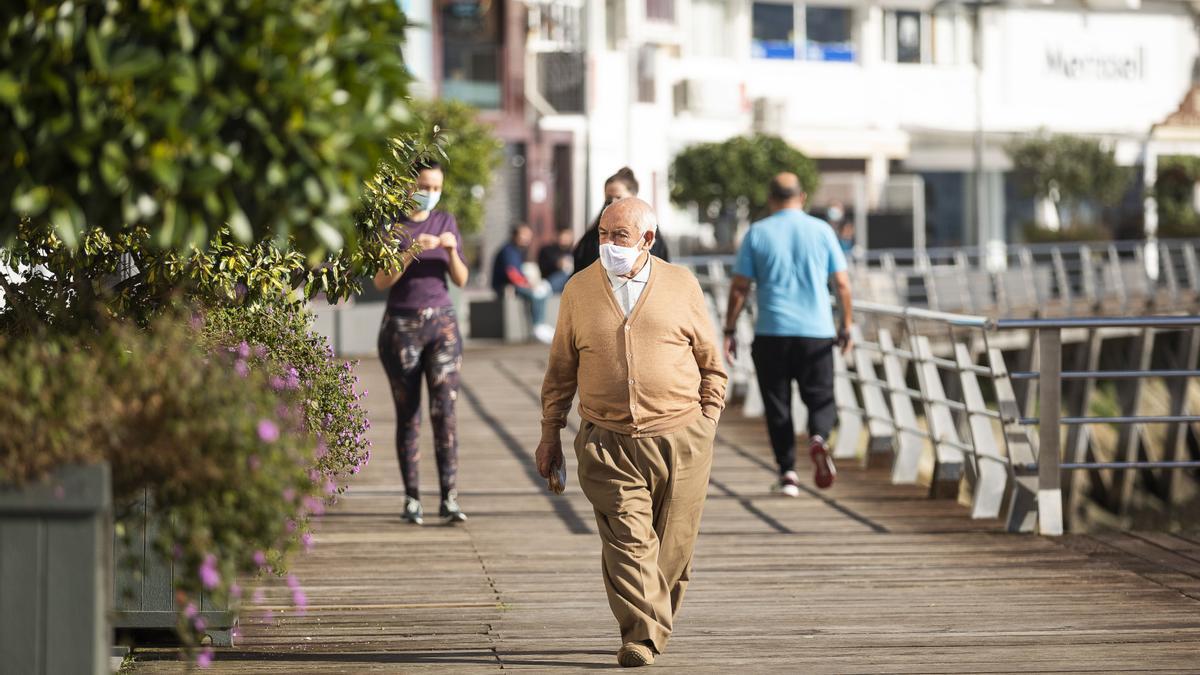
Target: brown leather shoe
634, 655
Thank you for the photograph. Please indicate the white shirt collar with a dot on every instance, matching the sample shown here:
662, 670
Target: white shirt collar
641, 277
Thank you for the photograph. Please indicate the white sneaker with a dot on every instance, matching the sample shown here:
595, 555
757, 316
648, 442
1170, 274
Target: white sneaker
789, 484
543, 333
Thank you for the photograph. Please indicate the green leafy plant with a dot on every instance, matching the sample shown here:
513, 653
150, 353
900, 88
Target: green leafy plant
1074, 169
222, 443
281, 340
184, 118
469, 152
1173, 189
718, 176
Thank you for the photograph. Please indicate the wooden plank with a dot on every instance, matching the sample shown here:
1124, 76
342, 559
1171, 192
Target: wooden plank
868, 576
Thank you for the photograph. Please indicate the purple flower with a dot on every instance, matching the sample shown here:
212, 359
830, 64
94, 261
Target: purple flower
259, 596
200, 624
293, 581
208, 572
290, 526
277, 383
204, 658
314, 506
241, 368
235, 591
189, 610
330, 486
307, 540
260, 351
289, 495
322, 450
268, 431
243, 350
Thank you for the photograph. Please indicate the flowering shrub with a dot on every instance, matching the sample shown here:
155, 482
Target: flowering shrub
279, 339
226, 451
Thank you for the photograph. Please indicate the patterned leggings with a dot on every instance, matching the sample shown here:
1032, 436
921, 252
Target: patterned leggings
411, 344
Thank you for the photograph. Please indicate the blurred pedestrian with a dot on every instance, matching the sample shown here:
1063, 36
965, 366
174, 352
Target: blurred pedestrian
506, 271
635, 338
556, 261
842, 226
791, 257
419, 337
620, 185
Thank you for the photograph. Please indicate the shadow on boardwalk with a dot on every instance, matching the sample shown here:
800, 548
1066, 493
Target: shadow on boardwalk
867, 577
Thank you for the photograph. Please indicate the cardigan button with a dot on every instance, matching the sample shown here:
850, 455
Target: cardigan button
627, 329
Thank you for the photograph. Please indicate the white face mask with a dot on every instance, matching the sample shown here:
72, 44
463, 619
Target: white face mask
619, 259
426, 200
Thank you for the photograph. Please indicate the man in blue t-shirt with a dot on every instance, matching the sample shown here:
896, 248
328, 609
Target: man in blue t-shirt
791, 257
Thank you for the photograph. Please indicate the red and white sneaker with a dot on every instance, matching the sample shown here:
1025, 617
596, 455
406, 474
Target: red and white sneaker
789, 484
823, 469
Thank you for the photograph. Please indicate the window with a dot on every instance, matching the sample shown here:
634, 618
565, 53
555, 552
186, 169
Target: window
829, 32
660, 10
802, 31
908, 37
614, 23
773, 28
471, 52
646, 63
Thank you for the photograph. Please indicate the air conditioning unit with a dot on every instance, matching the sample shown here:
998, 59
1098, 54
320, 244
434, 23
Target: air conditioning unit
770, 115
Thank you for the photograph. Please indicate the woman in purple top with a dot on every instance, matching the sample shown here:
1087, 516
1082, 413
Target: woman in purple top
419, 338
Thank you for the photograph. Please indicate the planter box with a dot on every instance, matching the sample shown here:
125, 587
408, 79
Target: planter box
144, 585
55, 573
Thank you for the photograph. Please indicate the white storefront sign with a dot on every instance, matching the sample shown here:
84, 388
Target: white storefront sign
1089, 71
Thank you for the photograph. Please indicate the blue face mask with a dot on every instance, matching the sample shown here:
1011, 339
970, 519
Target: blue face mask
426, 199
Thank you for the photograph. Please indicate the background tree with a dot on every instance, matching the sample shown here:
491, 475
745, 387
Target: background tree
1173, 191
728, 181
1072, 171
469, 152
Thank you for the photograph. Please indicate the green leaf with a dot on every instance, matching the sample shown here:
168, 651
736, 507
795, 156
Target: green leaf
329, 236
32, 201
65, 227
10, 88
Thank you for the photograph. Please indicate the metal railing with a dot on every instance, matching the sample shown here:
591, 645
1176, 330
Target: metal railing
1118, 277
931, 394
981, 445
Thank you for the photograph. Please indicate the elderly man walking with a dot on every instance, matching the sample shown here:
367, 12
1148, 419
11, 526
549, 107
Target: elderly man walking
792, 257
635, 338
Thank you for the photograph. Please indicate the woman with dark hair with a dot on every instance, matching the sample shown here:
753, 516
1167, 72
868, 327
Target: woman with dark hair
620, 185
419, 337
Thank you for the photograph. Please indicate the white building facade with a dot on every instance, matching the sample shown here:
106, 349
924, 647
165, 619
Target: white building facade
877, 91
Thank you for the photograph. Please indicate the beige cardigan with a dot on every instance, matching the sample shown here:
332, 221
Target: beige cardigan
648, 375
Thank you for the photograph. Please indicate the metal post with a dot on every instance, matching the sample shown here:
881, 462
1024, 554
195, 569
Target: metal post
1050, 520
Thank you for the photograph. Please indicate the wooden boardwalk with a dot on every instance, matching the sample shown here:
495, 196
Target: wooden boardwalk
867, 577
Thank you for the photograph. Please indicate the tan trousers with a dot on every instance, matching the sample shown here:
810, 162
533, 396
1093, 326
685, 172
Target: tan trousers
648, 494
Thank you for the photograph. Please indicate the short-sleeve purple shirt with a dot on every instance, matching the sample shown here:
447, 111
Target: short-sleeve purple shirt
423, 284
